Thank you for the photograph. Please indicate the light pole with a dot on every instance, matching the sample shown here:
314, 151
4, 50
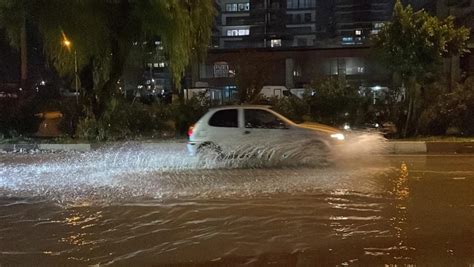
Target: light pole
68, 44
375, 89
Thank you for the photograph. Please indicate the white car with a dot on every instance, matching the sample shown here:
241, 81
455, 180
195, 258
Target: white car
232, 128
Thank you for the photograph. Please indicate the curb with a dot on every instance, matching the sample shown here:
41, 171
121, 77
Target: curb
393, 147
450, 147
18, 147
406, 147
423, 147
65, 147
44, 147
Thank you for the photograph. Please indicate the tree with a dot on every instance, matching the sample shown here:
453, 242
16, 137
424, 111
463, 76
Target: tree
13, 18
450, 112
252, 72
413, 45
102, 33
334, 101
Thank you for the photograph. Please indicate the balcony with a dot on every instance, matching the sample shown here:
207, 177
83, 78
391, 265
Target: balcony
241, 21
300, 31
300, 22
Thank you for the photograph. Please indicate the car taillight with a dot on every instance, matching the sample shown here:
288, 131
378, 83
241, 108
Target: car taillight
190, 130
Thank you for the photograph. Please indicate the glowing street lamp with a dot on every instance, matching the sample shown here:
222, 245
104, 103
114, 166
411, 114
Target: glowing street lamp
68, 45
375, 89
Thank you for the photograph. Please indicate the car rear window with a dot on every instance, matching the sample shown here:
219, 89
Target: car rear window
225, 118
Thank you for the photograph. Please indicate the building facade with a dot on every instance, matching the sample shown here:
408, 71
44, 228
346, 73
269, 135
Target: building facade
305, 40
292, 68
298, 23
299, 40
357, 20
265, 23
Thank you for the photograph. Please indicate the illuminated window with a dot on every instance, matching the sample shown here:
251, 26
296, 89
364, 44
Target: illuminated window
378, 25
244, 6
221, 69
297, 71
244, 32
294, 4
275, 42
358, 32
238, 32
231, 7
237, 7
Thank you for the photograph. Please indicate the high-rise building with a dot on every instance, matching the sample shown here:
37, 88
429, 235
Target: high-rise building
272, 23
298, 23
357, 20
265, 23
299, 40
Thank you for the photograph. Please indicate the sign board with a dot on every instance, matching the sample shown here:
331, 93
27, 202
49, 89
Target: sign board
221, 69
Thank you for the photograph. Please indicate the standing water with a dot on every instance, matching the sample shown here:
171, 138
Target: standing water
152, 204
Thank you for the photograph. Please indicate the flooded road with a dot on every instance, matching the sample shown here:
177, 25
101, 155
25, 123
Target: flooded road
94, 209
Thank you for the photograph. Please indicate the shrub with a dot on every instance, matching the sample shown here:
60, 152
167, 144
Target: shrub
187, 113
334, 102
451, 111
292, 107
124, 120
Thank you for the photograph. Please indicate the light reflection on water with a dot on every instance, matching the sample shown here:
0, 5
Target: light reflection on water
396, 210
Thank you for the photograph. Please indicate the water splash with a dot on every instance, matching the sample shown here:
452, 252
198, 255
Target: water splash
302, 151
165, 170
361, 147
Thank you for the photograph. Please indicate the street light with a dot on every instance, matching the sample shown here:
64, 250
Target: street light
375, 89
68, 44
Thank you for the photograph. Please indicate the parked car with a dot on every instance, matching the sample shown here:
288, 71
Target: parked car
224, 130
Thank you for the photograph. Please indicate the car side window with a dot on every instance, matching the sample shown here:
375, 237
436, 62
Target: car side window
225, 118
262, 119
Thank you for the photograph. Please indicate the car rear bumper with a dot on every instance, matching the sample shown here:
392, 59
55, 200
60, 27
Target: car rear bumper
192, 148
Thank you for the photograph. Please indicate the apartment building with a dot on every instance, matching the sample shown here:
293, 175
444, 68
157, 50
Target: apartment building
265, 23
298, 23
357, 20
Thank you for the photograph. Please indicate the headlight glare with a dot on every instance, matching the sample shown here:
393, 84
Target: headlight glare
338, 136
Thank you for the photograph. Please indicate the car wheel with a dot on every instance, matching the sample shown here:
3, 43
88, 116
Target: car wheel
209, 151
